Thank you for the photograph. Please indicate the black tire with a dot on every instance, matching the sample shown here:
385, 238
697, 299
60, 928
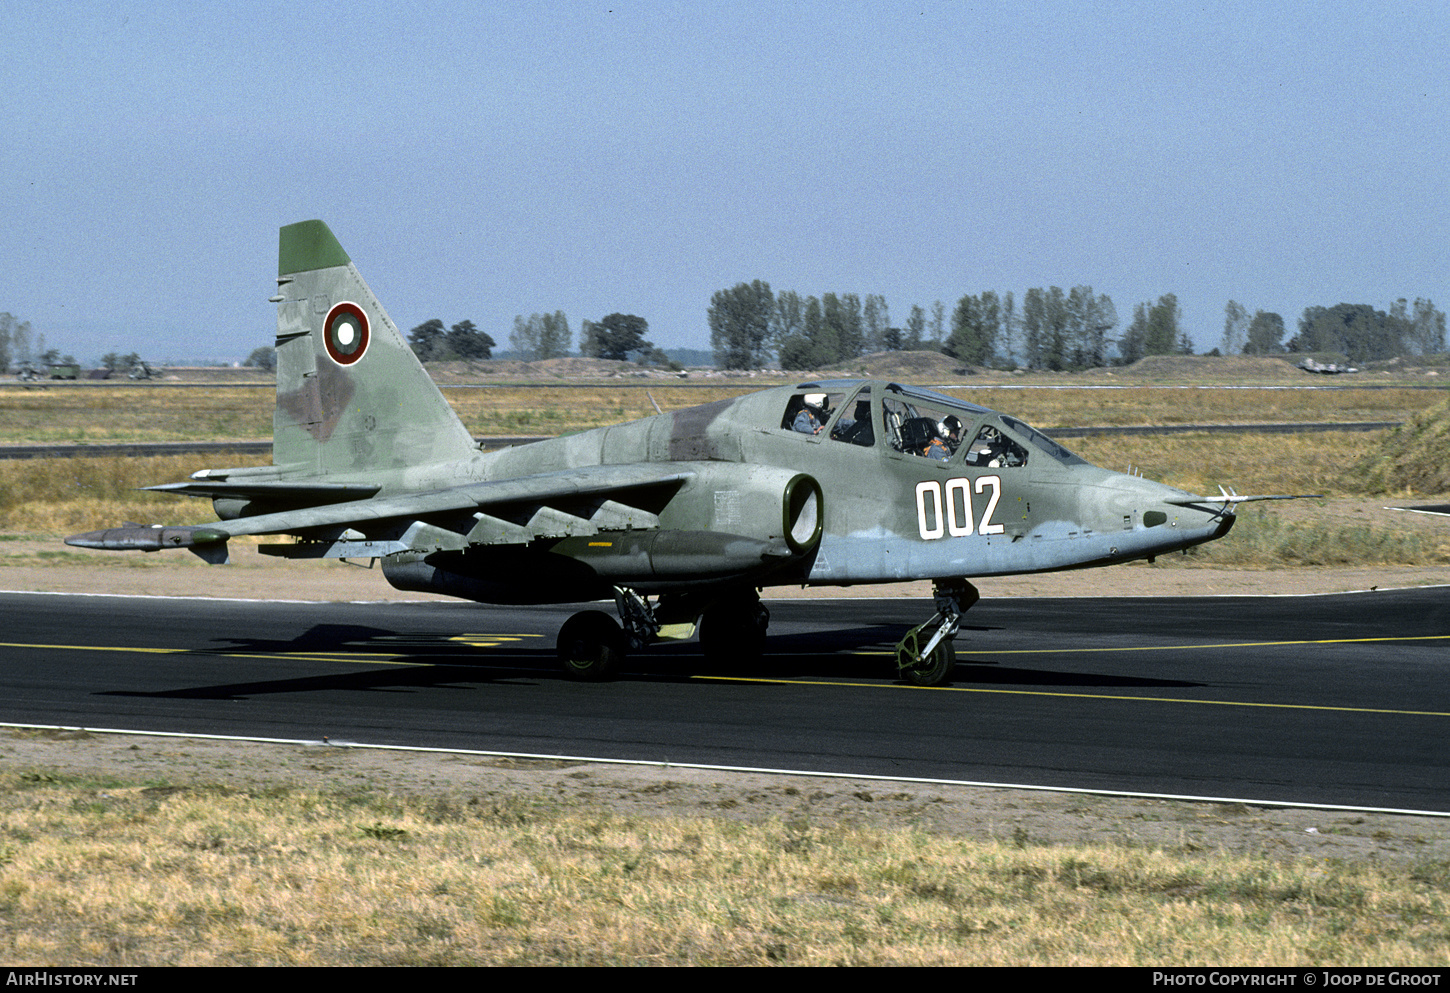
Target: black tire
591, 646
732, 632
935, 670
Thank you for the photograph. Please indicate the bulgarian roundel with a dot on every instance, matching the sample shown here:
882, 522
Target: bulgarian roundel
346, 333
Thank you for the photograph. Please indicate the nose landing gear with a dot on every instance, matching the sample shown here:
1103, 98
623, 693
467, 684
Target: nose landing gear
926, 657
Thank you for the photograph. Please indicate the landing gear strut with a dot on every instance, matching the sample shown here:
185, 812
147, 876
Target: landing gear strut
592, 645
925, 657
732, 630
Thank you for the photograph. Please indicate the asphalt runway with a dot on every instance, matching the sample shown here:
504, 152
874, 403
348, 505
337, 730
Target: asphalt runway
1325, 700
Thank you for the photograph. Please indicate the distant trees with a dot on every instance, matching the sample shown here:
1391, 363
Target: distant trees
15, 341
1050, 329
1061, 330
614, 337
426, 340
432, 343
1155, 330
1356, 330
7, 322
542, 336
1424, 330
264, 358
467, 342
1235, 328
976, 328
1363, 333
1265, 335
915, 336
1090, 319
748, 322
740, 320
880, 336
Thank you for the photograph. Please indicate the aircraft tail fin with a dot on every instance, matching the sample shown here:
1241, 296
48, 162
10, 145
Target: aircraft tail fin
351, 395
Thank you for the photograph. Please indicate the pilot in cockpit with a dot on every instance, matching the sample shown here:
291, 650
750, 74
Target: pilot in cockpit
948, 436
813, 414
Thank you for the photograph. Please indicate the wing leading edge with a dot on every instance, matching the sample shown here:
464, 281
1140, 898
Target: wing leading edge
558, 504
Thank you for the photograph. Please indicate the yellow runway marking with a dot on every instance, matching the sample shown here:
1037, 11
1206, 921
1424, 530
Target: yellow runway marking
1077, 696
98, 648
370, 658
346, 658
1177, 648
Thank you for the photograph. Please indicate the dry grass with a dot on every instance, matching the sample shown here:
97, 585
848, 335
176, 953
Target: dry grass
1262, 539
107, 873
54, 497
63, 496
1161, 405
133, 413
1200, 463
125, 413
1415, 458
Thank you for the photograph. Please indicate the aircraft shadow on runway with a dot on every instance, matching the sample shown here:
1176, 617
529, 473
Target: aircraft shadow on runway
407, 662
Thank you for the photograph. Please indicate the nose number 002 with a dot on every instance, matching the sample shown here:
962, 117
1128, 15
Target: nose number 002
943, 510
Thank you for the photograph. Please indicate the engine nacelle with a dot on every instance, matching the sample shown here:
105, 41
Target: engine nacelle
733, 525
761, 502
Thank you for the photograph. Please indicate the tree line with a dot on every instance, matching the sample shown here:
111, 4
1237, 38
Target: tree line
17, 341
537, 337
1050, 329
1355, 330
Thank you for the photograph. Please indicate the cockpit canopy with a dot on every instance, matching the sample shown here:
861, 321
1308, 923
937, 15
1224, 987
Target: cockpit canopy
905, 420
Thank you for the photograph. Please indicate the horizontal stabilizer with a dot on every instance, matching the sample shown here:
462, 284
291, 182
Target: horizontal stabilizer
302, 494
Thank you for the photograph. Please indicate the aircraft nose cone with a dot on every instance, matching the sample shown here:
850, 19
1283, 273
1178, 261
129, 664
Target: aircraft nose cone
1224, 526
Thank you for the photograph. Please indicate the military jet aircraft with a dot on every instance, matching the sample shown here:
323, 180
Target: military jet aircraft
681, 519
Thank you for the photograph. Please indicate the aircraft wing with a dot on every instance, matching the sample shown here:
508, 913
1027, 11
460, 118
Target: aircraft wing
569, 502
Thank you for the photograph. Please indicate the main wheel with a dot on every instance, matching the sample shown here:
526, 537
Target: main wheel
591, 645
936, 669
732, 632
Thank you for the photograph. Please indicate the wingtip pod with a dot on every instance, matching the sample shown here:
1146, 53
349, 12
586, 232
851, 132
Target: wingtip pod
308, 245
208, 542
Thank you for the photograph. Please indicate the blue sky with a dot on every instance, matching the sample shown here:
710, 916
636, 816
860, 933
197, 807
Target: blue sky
484, 160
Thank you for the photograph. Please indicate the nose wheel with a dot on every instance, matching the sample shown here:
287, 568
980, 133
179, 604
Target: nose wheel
926, 656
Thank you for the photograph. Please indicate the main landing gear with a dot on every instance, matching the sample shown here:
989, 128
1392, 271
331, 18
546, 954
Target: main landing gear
732, 626
592, 644
925, 657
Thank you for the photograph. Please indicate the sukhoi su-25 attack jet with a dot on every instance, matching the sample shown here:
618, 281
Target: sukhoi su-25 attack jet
680, 519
